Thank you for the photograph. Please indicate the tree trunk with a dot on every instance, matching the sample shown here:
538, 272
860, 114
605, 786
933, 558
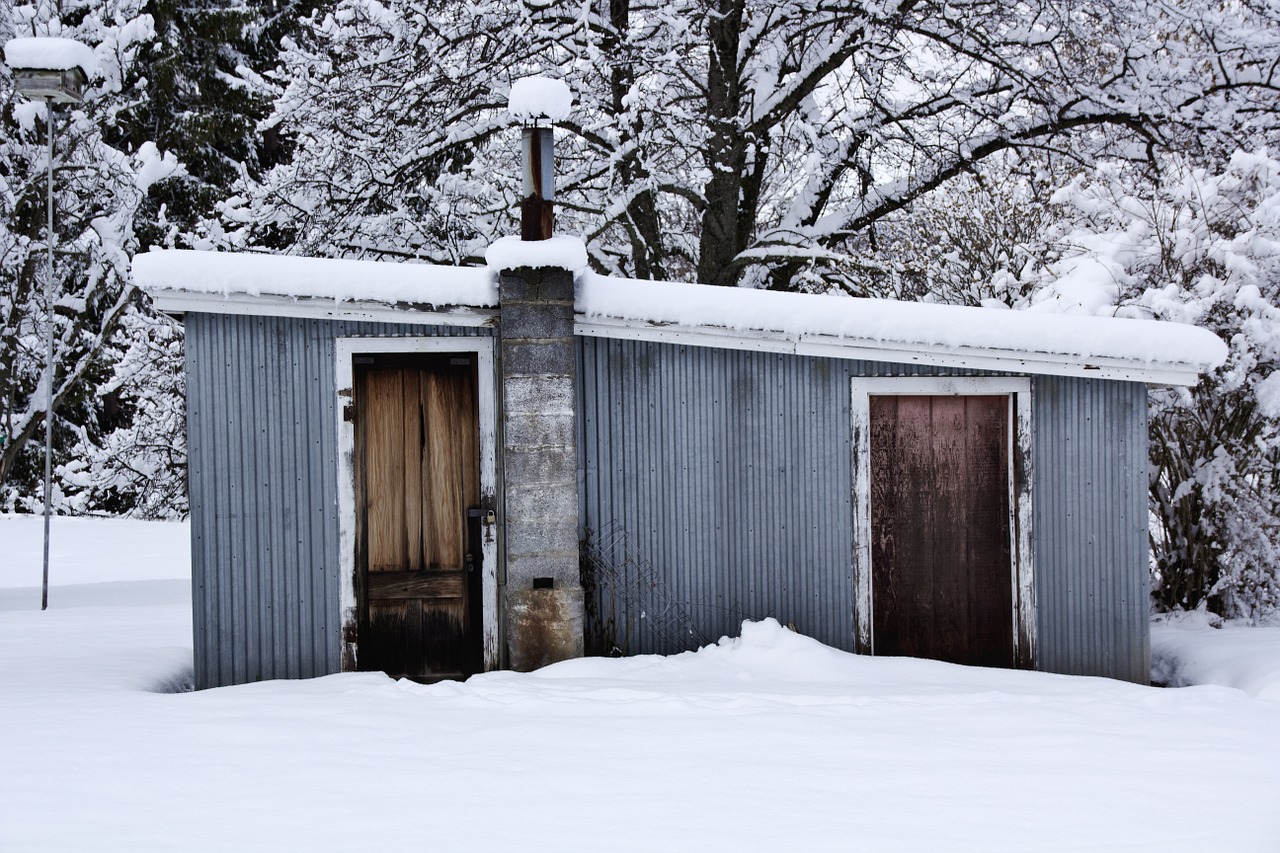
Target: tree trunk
641, 219
723, 234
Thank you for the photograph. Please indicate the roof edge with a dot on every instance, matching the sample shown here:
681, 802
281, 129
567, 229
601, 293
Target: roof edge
178, 302
830, 346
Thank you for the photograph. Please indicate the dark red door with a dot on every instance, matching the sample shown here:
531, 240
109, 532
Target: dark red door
941, 569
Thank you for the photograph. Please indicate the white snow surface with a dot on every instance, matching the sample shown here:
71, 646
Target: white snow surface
340, 280
509, 253
52, 54
540, 97
156, 551
872, 322
764, 742
1196, 648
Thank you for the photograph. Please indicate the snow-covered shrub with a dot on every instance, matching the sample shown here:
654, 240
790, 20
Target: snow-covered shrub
983, 239
1203, 247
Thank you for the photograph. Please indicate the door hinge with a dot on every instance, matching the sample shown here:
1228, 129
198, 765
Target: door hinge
349, 413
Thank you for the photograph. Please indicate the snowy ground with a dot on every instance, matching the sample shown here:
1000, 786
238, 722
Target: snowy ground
1195, 648
766, 742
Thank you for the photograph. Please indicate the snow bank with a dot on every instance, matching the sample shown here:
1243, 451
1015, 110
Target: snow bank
94, 562
1191, 648
540, 97
509, 253
874, 322
316, 278
771, 662
119, 617
92, 550
52, 54
762, 742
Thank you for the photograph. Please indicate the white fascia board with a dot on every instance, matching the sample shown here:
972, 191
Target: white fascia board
823, 346
182, 302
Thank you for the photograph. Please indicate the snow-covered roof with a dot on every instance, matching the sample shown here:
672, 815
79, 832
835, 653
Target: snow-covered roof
249, 283
903, 332
690, 314
49, 54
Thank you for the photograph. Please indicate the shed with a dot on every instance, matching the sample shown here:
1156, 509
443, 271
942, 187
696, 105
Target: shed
436, 471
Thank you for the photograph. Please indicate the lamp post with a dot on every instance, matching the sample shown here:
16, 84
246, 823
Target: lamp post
54, 70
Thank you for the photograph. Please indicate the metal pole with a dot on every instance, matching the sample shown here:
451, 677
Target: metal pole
536, 209
48, 366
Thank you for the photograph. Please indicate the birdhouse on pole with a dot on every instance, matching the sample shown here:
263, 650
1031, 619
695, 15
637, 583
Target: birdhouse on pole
55, 70
535, 100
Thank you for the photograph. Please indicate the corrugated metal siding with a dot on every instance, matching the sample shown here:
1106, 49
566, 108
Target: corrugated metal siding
1090, 527
716, 486
715, 483
261, 431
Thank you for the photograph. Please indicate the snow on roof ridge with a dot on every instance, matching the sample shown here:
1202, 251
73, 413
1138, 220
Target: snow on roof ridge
883, 321
340, 280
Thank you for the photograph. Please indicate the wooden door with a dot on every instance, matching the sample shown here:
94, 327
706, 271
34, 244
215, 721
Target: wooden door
941, 567
417, 553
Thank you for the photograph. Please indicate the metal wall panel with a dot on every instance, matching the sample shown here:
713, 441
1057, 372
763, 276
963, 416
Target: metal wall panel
1090, 527
262, 442
716, 486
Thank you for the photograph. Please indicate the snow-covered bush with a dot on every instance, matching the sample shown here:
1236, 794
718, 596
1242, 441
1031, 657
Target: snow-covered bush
134, 462
1201, 247
983, 239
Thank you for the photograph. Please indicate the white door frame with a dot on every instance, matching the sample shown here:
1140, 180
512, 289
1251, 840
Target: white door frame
483, 349
1022, 576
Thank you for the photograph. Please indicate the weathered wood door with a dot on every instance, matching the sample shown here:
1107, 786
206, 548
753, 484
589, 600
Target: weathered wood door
941, 567
417, 519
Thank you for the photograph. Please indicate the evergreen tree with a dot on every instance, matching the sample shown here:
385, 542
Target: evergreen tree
196, 104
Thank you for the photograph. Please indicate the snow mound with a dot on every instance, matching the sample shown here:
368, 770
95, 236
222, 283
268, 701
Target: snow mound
1190, 649
771, 664
540, 97
509, 253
